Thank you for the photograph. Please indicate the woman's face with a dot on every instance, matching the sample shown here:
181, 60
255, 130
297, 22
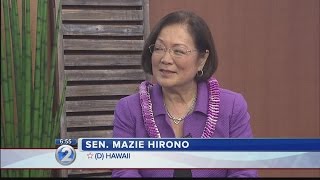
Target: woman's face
179, 65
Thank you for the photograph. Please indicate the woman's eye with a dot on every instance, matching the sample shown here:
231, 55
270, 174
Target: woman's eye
179, 52
158, 48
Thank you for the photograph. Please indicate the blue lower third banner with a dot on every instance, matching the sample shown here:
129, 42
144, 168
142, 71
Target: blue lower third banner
198, 144
173, 153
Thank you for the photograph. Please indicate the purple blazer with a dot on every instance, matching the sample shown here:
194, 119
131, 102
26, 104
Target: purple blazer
233, 122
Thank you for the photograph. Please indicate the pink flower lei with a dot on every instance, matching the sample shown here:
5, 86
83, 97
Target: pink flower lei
213, 109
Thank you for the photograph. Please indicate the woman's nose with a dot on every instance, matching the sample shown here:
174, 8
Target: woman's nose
167, 58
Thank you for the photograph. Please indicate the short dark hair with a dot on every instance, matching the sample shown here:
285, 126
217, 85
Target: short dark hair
200, 33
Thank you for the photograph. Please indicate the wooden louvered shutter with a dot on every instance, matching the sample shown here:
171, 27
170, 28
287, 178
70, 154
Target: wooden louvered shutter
101, 46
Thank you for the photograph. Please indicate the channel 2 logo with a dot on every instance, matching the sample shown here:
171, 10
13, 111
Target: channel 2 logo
65, 155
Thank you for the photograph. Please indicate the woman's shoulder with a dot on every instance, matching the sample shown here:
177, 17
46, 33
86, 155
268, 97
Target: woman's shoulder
227, 93
129, 102
130, 99
228, 96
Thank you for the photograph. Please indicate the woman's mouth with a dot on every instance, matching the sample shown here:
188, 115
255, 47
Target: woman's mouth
166, 72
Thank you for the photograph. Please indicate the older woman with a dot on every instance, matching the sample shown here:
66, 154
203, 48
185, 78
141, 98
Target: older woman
185, 101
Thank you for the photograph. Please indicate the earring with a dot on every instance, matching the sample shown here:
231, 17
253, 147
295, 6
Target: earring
200, 73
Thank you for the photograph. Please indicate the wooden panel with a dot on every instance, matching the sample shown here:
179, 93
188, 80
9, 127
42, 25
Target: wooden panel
101, 38
103, 2
99, 75
101, 15
98, 44
269, 52
146, 24
102, 60
287, 173
89, 134
90, 105
90, 121
102, 90
102, 30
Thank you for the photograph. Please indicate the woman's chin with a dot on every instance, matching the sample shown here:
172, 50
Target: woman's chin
165, 82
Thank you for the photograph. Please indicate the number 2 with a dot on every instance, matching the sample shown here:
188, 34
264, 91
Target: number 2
67, 157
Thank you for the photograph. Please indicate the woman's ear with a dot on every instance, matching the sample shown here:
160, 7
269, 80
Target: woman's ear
203, 59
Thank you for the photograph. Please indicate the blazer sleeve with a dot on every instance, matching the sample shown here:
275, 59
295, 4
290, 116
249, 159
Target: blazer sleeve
240, 128
124, 127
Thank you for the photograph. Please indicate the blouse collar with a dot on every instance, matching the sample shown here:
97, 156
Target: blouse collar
157, 99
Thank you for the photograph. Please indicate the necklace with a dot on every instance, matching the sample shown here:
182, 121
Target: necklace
178, 120
213, 109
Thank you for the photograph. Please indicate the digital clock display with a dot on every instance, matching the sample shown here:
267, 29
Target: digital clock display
65, 141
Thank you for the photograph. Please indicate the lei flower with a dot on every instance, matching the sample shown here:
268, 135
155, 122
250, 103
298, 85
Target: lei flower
213, 109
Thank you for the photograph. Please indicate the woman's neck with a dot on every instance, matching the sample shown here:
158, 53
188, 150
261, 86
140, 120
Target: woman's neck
179, 97
183, 94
